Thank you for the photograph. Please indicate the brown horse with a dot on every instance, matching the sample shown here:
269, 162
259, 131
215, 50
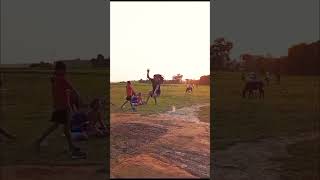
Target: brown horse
252, 87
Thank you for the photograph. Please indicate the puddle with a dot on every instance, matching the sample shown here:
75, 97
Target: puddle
186, 113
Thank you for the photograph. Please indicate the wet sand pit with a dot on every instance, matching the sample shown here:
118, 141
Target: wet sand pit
164, 145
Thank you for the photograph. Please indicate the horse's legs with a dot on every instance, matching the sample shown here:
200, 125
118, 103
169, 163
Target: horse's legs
244, 93
251, 93
261, 93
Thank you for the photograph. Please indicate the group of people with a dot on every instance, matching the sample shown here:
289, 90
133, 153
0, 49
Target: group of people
135, 99
80, 121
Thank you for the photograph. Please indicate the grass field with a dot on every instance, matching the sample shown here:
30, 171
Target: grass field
288, 110
171, 95
27, 107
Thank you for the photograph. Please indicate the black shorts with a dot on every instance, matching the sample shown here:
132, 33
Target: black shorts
128, 98
60, 116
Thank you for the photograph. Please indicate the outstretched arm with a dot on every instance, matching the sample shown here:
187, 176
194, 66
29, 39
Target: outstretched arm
148, 75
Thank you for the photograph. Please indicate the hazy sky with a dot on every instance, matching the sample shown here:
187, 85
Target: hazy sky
167, 37
261, 26
34, 30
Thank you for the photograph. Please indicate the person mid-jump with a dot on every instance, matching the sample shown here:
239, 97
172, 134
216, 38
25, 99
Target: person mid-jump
156, 82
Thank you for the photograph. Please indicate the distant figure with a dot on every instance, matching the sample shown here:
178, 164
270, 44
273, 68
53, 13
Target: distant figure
63, 96
189, 88
156, 81
267, 78
130, 92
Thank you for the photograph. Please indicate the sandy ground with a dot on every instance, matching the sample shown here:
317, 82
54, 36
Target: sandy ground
174, 144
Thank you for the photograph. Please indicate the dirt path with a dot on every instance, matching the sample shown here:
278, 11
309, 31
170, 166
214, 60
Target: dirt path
39, 172
173, 144
247, 161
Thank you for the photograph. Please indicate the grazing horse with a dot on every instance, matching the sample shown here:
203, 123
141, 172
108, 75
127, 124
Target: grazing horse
251, 87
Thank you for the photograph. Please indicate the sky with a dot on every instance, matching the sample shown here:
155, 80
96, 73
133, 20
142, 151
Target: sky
35, 30
265, 26
167, 37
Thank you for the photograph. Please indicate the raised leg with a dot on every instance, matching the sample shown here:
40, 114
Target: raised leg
123, 104
46, 133
148, 99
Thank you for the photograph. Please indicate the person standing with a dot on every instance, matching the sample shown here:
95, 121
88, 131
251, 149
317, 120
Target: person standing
63, 96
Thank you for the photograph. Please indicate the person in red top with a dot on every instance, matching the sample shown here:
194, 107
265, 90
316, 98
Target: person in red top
65, 97
130, 93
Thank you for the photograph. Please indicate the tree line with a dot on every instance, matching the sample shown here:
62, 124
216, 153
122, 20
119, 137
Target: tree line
302, 59
178, 79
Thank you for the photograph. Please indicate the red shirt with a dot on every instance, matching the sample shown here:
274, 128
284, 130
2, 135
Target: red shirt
130, 91
60, 88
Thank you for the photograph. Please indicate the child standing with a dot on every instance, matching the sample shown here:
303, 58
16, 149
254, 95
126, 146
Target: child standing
130, 92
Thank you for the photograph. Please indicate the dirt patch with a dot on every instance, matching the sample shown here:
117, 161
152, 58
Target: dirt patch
32, 172
127, 137
146, 166
186, 113
174, 144
246, 161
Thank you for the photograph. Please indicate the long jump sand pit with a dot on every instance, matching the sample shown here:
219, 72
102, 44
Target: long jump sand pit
173, 144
